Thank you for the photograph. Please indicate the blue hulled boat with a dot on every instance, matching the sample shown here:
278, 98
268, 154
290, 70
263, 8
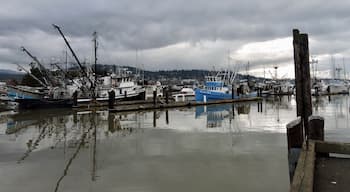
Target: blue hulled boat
220, 87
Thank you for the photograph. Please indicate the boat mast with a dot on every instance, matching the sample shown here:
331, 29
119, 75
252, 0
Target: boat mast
275, 67
344, 69
313, 63
33, 76
75, 57
264, 74
95, 54
41, 67
333, 65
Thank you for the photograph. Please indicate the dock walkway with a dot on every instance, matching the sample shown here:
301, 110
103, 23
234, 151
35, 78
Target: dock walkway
150, 105
322, 167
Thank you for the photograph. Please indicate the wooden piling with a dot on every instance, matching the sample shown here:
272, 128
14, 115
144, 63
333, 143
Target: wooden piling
316, 131
316, 128
295, 136
167, 96
154, 118
154, 97
232, 92
75, 98
111, 99
167, 117
111, 123
302, 77
295, 140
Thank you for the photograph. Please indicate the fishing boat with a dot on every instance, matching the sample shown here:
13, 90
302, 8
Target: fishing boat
337, 87
220, 87
332, 88
60, 92
281, 88
186, 94
124, 85
319, 88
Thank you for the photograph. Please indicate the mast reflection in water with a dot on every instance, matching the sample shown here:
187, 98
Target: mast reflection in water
231, 147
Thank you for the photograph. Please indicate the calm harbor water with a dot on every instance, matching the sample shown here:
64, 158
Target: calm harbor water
240, 147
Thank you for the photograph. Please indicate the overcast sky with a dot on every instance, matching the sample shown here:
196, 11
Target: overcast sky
179, 34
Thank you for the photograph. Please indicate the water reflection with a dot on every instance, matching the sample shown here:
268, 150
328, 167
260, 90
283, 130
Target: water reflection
158, 150
335, 109
214, 114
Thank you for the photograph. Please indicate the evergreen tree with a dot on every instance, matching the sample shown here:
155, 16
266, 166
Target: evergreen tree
30, 81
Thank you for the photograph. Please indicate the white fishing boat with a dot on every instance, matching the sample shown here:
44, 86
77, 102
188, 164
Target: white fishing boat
319, 88
122, 83
186, 94
337, 87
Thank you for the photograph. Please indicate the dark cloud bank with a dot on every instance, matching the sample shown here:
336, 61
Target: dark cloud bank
170, 34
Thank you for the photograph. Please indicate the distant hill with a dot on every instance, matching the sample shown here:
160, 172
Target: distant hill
9, 74
171, 74
103, 69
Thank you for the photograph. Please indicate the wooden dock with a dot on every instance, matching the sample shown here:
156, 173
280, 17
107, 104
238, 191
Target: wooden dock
152, 106
318, 171
140, 105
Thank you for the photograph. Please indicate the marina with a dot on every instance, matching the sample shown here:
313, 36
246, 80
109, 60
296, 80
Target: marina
182, 148
154, 96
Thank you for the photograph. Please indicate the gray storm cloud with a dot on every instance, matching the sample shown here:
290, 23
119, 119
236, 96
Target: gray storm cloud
173, 34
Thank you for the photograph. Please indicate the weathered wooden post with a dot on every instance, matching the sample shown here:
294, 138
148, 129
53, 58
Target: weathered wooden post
260, 106
316, 131
75, 117
154, 118
111, 123
302, 77
316, 128
295, 139
295, 134
155, 97
167, 117
232, 92
164, 91
233, 110
111, 99
75, 98
167, 96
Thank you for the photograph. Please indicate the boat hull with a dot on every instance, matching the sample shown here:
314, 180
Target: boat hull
44, 103
207, 95
21, 93
129, 97
337, 89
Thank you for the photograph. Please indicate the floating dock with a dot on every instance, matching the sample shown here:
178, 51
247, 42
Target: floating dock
152, 106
